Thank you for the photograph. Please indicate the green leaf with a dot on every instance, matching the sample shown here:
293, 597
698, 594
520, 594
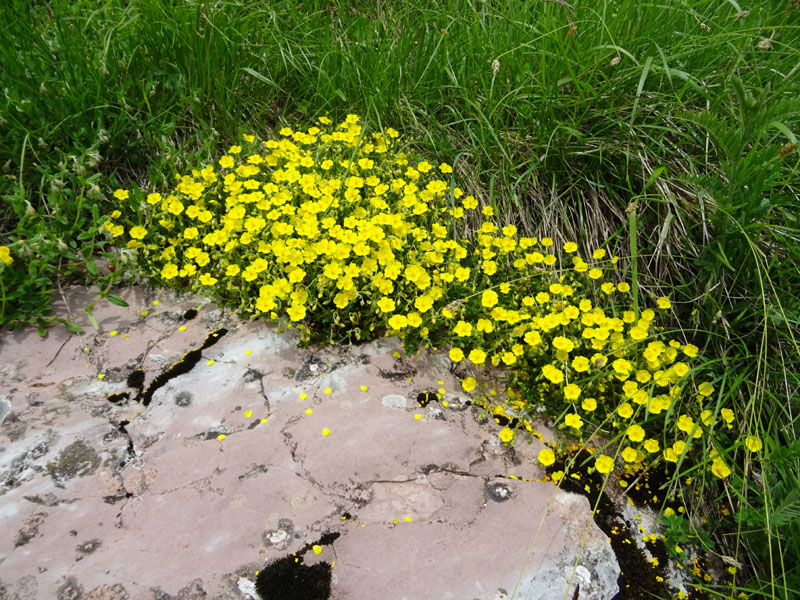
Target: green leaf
91, 266
73, 327
116, 300
41, 330
92, 321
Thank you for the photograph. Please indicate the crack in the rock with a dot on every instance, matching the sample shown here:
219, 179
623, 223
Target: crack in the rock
252, 375
183, 366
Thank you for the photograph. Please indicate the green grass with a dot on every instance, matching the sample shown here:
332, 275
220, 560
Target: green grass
562, 119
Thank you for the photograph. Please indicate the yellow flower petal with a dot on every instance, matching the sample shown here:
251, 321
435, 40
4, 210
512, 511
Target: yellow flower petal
326, 432
248, 414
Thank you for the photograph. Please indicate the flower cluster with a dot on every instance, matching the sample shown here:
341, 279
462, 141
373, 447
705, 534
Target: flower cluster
342, 234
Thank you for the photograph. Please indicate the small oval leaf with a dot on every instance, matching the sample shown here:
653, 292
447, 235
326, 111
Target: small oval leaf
116, 300
73, 327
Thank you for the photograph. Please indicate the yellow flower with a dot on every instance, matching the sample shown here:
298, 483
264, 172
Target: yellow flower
572, 391
635, 433
705, 389
138, 232
423, 303
580, 364
398, 322
573, 420
386, 304
629, 455
463, 329
477, 356
296, 313
121, 194
625, 410
506, 435
484, 326
624, 287
664, 303
414, 319
456, 354
604, 464
589, 404
547, 457
651, 445
753, 443
562, 343
570, 247
720, 469
468, 384
637, 333
169, 271
489, 298
5, 255
552, 373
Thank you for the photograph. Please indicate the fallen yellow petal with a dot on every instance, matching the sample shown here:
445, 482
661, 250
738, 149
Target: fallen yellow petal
326, 432
221, 437
210, 362
248, 414
328, 390
317, 549
309, 411
418, 417
248, 352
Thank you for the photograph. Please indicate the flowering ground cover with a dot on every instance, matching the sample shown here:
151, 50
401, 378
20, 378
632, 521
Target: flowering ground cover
339, 232
655, 142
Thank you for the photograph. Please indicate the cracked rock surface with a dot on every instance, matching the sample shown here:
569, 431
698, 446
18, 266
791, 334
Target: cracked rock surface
227, 469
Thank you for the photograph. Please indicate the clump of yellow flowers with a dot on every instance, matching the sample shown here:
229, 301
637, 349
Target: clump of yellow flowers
343, 234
